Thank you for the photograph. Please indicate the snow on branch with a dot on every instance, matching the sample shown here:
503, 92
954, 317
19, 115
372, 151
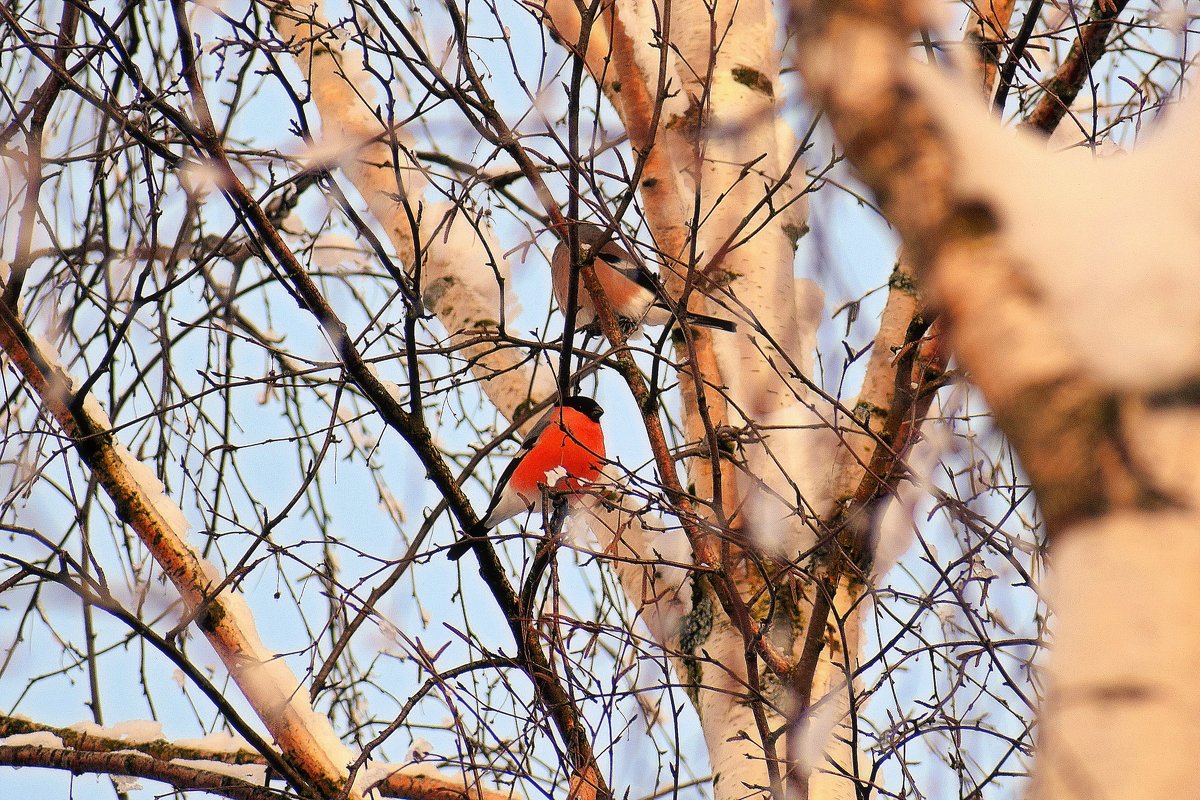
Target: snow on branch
1107, 245
125, 766
265, 679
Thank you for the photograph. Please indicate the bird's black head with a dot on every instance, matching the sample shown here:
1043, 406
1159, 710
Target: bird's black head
586, 406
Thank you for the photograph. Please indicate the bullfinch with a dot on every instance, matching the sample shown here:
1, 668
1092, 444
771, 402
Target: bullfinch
632, 290
566, 446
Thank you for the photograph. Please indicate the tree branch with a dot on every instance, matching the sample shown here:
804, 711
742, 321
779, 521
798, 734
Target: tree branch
123, 762
84, 751
1086, 50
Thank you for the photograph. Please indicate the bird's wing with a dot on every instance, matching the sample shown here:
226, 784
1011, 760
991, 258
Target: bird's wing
628, 266
502, 485
538, 429
526, 445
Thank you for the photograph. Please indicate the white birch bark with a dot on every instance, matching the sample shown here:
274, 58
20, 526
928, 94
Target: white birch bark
1121, 716
738, 164
738, 157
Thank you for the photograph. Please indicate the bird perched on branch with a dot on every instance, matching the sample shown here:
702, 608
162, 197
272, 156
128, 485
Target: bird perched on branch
632, 290
564, 452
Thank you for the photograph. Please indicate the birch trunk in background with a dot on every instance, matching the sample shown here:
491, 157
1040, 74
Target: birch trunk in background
461, 265
722, 154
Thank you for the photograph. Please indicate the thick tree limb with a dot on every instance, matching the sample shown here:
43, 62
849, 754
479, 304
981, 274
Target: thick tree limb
179, 776
84, 751
1114, 685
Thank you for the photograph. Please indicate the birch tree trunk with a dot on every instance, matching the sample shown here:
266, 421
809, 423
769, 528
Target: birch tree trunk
1104, 431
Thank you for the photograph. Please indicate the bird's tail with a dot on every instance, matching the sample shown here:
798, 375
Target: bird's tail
705, 321
465, 542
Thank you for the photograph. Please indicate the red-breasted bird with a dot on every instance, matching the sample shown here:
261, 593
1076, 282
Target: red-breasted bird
632, 290
567, 442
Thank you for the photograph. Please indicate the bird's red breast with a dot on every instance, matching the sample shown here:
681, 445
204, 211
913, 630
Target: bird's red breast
572, 442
